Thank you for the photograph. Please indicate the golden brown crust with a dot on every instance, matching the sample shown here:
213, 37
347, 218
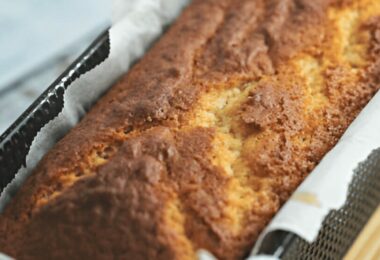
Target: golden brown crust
206, 137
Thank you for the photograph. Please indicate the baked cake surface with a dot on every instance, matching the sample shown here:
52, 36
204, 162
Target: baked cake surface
200, 144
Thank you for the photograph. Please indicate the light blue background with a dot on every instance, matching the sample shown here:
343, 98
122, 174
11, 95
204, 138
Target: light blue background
33, 32
38, 40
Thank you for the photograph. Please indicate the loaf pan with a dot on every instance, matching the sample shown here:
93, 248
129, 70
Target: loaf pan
340, 227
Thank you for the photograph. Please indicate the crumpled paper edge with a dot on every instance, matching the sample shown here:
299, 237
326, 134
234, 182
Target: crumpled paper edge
304, 212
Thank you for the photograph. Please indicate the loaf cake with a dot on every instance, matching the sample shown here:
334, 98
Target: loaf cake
202, 141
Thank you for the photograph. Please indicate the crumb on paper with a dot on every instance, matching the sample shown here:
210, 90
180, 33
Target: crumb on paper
307, 198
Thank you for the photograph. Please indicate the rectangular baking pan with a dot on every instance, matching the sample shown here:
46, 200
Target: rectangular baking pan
340, 227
